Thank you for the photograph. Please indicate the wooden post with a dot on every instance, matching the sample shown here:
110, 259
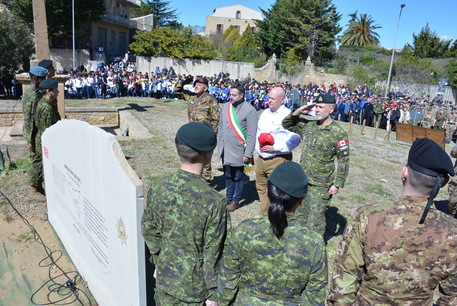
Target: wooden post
363, 125
376, 129
389, 128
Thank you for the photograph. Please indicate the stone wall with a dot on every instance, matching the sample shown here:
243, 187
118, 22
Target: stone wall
9, 116
63, 58
421, 90
309, 74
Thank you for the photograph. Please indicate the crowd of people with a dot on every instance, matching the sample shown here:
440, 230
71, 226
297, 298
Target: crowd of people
359, 105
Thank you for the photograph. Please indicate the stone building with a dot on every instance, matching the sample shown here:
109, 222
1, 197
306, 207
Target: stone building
109, 37
237, 15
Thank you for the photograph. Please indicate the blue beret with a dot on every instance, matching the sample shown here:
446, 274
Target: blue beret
38, 71
290, 178
199, 136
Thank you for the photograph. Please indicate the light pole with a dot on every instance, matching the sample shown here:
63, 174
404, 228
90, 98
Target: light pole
73, 32
393, 52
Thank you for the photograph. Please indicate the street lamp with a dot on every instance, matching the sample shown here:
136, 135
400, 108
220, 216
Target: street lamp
73, 32
393, 52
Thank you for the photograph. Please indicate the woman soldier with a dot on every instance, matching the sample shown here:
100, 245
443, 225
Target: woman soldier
275, 261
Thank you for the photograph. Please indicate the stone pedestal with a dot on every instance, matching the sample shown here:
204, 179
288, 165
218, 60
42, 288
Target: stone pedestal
61, 78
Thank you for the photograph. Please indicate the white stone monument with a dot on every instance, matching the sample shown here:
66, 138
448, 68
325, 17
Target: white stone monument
95, 203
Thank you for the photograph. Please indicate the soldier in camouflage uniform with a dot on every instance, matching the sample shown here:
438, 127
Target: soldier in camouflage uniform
450, 125
29, 103
452, 188
440, 120
378, 111
398, 253
324, 141
202, 108
275, 260
45, 115
185, 224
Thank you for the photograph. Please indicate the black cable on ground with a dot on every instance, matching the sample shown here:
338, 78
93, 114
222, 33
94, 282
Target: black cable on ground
61, 289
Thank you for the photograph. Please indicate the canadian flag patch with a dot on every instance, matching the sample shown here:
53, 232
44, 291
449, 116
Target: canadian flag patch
342, 143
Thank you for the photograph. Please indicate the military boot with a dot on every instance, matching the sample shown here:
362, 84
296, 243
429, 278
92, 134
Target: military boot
36, 195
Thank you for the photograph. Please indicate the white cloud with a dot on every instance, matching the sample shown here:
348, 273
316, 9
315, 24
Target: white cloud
446, 37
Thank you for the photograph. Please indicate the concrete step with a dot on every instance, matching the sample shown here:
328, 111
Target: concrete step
16, 131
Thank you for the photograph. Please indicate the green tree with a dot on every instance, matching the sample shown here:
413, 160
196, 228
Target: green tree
231, 35
361, 31
451, 73
452, 51
245, 48
309, 26
428, 44
15, 42
58, 14
174, 43
166, 17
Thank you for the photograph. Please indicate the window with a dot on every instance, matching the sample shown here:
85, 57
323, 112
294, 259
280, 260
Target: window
220, 29
238, 14
237, 27
122, 43
253, 29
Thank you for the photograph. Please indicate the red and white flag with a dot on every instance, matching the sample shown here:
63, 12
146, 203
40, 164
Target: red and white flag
342, 143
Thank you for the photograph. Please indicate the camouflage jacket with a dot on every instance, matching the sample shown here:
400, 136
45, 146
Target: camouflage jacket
320, 148
260, 269
28, 106
46, 114
201, 109
388, 258
185, 226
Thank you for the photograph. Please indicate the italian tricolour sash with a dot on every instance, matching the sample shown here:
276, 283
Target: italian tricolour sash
235, 124
238, 131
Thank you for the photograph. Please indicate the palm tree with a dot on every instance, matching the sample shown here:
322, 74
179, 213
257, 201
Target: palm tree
361, 31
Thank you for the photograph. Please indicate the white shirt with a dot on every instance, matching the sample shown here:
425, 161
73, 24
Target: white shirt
270, 122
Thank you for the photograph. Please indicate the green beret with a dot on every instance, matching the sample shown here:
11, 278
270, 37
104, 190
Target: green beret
325, 99
49, 84
427, 157
290, 178
45, 63
199, 136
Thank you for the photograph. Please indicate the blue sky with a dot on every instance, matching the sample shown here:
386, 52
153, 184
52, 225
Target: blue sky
439, 14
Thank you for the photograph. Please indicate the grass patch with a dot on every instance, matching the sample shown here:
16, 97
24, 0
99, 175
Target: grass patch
7, 217
378, 189
18, 165
356, 197
26, 237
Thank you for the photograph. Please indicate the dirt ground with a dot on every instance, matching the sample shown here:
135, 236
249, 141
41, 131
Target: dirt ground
26, 274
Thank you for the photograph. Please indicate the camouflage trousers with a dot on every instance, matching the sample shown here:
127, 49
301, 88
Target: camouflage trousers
449, 132
35, 171
453, 196
312, 212
161, 298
